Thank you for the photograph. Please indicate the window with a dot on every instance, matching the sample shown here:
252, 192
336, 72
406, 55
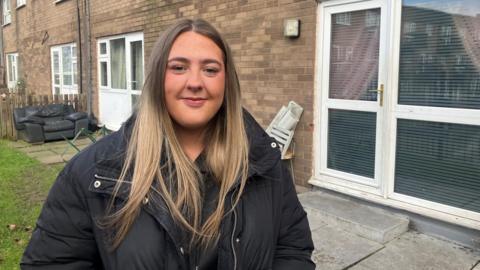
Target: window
7, 16
451, 67
343, 18
120, 63
410, 27
429, 30
64, 69
21, 3
372, 18
12, 71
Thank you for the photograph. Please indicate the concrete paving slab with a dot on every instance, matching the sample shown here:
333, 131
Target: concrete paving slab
67, 157
42, 153
477, 267
372, 223
314, 219
52, 159
18, 144
33, 148
336, 249
301, 189
63, 149
414, 251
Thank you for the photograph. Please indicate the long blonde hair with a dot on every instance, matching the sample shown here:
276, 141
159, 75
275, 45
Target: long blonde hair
153, 148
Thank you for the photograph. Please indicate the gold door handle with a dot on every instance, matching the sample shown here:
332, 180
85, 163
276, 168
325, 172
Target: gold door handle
380, 91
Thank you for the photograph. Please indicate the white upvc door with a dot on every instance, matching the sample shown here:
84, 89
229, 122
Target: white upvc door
350, 85
120, 73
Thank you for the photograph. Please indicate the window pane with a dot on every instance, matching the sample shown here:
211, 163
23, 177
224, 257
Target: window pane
137, 65
440, 54
74, 52
56, 62
118, 64
354, 51
103, 74
135, 99
67, 65
351, 142
14, 72
74, 66
439, 162
10, 67
56, 67
103, 48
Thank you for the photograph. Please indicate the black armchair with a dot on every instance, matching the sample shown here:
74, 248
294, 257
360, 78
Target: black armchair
37, 124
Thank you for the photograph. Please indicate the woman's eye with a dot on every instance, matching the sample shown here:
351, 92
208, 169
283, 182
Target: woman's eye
178, 68
211, 71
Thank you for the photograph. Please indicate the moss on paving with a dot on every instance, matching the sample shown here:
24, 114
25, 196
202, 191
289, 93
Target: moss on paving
24, 185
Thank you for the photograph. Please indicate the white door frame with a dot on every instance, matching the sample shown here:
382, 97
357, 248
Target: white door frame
322, 84
115, 104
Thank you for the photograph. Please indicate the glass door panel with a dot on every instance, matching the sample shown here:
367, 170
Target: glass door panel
354, 52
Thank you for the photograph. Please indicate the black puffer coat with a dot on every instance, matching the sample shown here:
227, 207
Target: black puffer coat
267, 230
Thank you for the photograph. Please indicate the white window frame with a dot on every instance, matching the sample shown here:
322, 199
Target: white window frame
21, 3
106, 58
64, 89
12, 82
7, 12
384, 194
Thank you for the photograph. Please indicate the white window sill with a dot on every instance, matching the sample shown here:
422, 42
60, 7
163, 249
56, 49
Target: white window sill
59, 1
5, 24
22, 5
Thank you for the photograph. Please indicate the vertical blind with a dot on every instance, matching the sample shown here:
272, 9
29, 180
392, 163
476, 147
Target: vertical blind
351, 142
354, 53
439, 162
440, 54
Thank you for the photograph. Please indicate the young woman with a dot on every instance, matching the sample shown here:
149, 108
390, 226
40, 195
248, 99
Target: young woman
190, 181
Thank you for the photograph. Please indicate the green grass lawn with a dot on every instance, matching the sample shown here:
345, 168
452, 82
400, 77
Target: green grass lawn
24, 185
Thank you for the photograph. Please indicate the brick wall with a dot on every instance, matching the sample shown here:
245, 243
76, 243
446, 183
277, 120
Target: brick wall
272, 69
33, 30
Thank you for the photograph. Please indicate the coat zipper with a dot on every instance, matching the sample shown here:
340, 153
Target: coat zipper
109, 179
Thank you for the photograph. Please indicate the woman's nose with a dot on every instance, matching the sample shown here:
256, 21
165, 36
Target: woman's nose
194, 82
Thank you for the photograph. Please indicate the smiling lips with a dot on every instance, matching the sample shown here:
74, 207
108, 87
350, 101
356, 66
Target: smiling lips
194, 102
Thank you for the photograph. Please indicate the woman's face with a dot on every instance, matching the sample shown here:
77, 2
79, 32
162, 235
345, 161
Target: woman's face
194, 81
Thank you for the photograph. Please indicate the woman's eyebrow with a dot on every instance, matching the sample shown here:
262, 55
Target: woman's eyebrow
179, 59
210, 61
203, 61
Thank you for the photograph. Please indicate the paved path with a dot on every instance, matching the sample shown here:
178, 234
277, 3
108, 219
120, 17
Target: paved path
338, 248
50, 152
